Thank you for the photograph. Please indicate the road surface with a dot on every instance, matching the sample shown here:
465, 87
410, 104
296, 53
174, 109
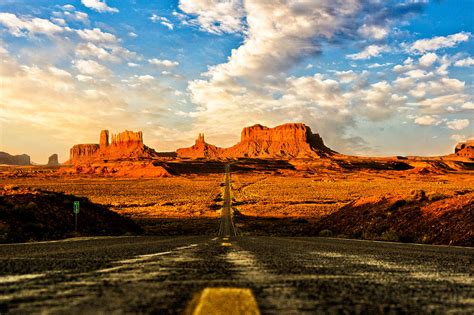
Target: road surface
227, 228
162, 275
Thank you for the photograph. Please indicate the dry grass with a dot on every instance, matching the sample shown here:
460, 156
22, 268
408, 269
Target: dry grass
177, 197
316, 196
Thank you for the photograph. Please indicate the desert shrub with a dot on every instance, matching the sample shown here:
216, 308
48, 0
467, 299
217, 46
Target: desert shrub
325, 233
418, 195
406, 238
437, 196
389, 236
299, 220
397, 204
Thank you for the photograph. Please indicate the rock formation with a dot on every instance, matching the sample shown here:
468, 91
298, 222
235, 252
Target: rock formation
9, 159
53, 160
465, 149
104, 139
293, 140
201, 149
124, 145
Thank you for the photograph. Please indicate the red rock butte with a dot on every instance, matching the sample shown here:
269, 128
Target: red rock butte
294, 140
465, 149
124, 145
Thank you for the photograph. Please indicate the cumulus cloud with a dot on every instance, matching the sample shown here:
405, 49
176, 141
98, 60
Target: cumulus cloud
163, 62
424, 45
96, 35
68, 7
280, 34
459, 138
373, 31
99, 6
426, 120
428, 59
466, 62
369, 52
146, 78
111, 53
20, 26
91, 67
213, 16
458, 124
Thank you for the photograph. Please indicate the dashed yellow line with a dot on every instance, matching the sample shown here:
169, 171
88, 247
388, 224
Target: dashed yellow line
228, 301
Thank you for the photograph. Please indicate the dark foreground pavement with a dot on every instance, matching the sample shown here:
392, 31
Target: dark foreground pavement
286, 275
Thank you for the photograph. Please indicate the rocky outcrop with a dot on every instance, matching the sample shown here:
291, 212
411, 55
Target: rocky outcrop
294, 140
124, 145
83, 153
53, 160
465, 149
9, 159
201, 149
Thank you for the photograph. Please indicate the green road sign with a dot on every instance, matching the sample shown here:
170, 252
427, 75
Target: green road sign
76, 207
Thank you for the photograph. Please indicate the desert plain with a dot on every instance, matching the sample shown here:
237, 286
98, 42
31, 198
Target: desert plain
297, 197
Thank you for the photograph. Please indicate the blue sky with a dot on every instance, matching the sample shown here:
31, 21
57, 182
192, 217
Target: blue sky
372, 77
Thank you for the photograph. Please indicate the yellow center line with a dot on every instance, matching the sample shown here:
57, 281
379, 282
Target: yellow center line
229, 301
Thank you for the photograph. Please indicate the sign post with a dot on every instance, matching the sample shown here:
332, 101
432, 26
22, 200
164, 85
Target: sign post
76, 212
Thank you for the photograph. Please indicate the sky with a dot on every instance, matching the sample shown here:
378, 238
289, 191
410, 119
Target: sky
372, 77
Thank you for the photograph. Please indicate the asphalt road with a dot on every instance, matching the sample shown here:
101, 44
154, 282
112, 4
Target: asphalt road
227, 228
162, 275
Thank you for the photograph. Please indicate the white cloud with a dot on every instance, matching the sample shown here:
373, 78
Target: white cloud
458, 124
426, 120
428, 59
468, 105
59, 21
22, 26
373, 31
91, 50
132, 65
84, 78
378, 65
458, 138
91, 67
438, 42
163, 62
467, 62
132, 34
169, 25
369, 52
146, 78
68, 7
59, 72
213, 16
162, 20
346, 76
96, 35
99, 6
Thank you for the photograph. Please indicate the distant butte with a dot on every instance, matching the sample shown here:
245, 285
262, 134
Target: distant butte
294, 140
53, 160
9, 159
465, 149
287, 141
123, 146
